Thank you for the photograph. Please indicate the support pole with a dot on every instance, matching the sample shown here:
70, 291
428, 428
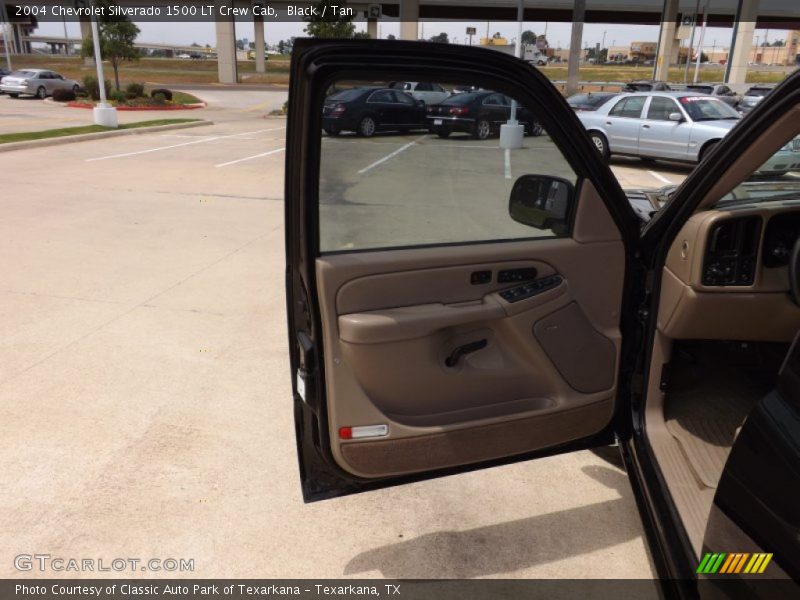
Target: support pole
702, 40
227, 68
409, 19
666, 40
6, 35
104, 114
512, 133
576, 39
260, 46
744, 27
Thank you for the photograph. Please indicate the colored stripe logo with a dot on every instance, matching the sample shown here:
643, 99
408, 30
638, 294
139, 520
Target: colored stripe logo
734, 562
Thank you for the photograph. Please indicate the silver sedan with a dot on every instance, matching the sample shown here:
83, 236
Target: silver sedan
36, 82
676, 126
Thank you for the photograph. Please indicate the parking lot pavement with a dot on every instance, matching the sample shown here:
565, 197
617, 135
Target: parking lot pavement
31, 114
146, 404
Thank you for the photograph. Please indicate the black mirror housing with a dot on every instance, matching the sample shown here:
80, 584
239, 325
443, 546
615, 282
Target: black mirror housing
542, 201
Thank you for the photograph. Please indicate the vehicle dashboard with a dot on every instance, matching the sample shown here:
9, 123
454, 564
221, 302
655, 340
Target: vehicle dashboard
727, 275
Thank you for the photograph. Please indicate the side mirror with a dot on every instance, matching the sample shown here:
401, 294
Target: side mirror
542, 202
676, 116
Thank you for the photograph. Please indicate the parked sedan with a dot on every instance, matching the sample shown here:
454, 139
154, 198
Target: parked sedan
718, 90
368, 110
660, 125
3, 73
429, 93
646, 85
479, 114
753, 96
591, 101
36, 82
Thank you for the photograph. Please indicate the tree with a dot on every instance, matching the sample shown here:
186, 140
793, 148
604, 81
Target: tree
779, 43
528, 37
330, 21
440, 38
195, 45
242, 43
117, 37
391, 36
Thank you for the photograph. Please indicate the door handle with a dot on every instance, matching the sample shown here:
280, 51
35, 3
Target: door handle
609, 123
645, 126
455, 355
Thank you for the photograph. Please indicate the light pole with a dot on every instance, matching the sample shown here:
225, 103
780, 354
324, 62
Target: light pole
512, 133
700, 45
104, 114
6, 29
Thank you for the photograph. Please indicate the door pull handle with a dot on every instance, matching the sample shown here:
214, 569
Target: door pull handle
455, 355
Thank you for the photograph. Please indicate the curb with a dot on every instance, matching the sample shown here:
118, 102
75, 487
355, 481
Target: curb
168, 107
86, 137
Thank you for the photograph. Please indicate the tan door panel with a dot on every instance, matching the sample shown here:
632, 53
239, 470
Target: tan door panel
385, 362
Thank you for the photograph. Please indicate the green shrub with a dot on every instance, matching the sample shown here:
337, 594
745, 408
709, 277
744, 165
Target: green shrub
61, 95
118, 96
164, 92
92, 87
159, 99
134, 90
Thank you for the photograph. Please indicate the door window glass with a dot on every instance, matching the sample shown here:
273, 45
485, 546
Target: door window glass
439, 177
382, 96
403, 98
629, 107
661, 108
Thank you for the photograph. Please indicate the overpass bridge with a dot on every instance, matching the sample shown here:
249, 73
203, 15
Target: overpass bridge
742, 16
60, 42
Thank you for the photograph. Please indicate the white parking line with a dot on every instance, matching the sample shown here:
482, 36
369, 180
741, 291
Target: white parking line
659, 176
238, 160
200, 141
508, 163
391, 155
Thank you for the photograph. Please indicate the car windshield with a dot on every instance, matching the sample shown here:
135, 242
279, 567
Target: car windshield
345, 95
23, 74
778, 179
707, 109
704, 89
758, 91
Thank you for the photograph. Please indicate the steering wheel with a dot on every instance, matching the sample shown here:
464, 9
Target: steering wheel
794, 273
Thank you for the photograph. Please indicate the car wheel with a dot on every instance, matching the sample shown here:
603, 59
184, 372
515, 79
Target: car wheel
41, 93
367, 127
535, 129
443, 134
647, 159
76, 89
483, 130
332, 132
601, 143
706, 149
14, 95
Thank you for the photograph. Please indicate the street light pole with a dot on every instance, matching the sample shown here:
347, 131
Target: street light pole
512, 133
104, 114
702, 39
6, 28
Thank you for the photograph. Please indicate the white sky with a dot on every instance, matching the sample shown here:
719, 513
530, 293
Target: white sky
558, 34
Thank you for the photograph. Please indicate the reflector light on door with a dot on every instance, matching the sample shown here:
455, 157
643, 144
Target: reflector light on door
365, 431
